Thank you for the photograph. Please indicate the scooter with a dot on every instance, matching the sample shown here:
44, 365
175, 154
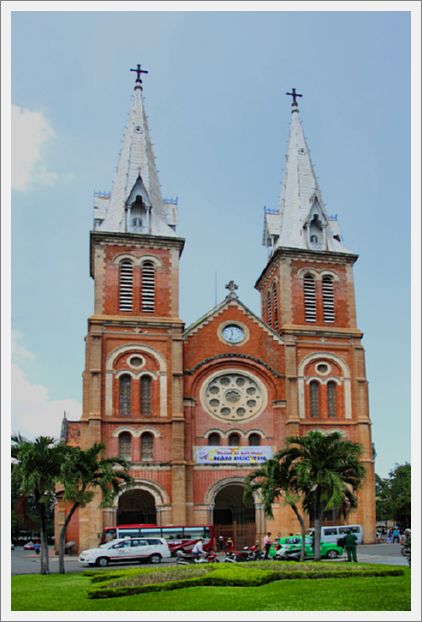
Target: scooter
245, 555
185, 558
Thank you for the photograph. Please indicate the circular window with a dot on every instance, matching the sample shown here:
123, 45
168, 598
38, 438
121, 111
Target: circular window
323, 368
233, 395
136, 361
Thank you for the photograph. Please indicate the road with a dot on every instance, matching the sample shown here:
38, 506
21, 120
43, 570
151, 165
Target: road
28, 562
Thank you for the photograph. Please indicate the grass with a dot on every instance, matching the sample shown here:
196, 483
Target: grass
70, 593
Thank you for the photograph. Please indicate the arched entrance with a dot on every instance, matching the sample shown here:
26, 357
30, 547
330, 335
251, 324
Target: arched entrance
232, 517
136, 506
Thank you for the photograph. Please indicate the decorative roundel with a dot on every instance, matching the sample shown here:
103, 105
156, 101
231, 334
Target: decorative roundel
233, 395
136, 361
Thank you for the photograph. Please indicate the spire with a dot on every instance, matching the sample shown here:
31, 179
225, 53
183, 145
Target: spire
135, 204
301, 220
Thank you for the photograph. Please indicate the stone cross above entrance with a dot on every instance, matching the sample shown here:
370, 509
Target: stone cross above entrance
232, 287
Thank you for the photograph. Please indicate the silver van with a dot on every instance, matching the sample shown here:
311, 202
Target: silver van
334, 532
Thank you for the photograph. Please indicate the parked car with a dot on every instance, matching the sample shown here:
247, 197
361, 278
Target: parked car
152, 550
290, 548
335, 532
29, 546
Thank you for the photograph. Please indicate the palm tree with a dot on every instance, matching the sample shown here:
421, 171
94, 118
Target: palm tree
274, 481
326, 469
83, 471
35, 470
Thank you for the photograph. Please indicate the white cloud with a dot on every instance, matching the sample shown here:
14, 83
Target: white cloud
34, 413
30, 132
19, 353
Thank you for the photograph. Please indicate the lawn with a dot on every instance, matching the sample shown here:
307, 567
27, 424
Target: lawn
69, 593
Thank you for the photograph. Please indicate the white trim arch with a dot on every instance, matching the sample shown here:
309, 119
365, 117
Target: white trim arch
138, 261
346, 381
110, 373
135, 431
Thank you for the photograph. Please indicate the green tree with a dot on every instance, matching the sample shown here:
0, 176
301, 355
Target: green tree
35, 470
324, 469
273, 481
393, 496
83, 472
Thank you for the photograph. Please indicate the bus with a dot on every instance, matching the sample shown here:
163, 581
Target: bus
178, 537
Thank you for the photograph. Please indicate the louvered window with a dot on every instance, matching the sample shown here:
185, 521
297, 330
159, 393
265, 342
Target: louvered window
147, 446
328, 298
254, 439
126, 286
331, 398
314, 398
125, 445
234, 440
125, 384
269, 309
309, 296
214, 439
275, 305
148, 287
146, 384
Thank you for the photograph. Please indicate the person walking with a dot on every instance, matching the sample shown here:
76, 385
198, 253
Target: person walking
267, 544
396, 535
350, 545
220, 543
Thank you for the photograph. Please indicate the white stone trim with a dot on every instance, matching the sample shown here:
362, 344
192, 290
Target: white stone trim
158, 492
137, 261
136, 432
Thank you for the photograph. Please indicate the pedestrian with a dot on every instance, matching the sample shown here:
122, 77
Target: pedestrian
37, 547
389, 536
267, 544
350, 544
229, 544
220, 543
396, 535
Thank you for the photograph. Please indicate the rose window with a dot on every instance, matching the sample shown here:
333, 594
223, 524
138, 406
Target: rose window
233, 396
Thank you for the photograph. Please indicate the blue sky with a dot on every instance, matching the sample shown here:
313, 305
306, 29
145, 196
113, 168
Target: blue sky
219, 119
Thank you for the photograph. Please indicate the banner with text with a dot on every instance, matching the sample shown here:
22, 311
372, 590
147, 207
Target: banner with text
232, 455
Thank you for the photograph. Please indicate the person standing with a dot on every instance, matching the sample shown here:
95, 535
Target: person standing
267, 544
220, 543
396, 535
350, 544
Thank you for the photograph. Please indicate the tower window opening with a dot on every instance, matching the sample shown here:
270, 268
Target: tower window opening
275, 305
146, 393
309, 293
314, 398
331, 399
126, 286
328, 298
125, 445
254, 439
234, 439
147, 446
214, 439
125, 385
269, 309
148, 287
314, 239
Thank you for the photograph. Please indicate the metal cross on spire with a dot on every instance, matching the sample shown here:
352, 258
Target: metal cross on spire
139, 71
232, 287
294, 95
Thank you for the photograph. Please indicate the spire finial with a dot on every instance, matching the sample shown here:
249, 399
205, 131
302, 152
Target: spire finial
232, 287
139, 71
293, 94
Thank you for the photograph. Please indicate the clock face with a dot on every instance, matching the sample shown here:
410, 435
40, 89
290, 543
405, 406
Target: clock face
232, 333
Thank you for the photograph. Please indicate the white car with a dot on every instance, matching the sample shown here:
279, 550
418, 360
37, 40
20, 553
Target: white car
152, 550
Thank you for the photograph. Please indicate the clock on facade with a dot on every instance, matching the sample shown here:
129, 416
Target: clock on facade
233, 333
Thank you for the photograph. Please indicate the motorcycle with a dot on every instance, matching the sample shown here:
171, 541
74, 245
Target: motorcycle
186, 558
245, 555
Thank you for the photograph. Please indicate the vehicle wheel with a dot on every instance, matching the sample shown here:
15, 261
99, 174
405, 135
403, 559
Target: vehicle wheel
332, 554
102, 561
155, 559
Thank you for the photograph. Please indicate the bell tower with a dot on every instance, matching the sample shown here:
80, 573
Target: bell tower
133, 377
308, 297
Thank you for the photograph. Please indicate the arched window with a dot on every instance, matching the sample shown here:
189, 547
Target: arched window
214, 439
275, 305
146, 385
254, 439
234, 439
309, 298
331, 398
269, 309
148, 287
328, 298
125, 384
126, 285
147, 446
125, 445
314, 398
314, 239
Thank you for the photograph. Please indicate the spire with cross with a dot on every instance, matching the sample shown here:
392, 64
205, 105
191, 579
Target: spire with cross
293, 94
232, 287
139, 72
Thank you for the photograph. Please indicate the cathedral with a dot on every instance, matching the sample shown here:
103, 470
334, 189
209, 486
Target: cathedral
196, 408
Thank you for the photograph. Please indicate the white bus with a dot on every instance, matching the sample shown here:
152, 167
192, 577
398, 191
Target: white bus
334, 532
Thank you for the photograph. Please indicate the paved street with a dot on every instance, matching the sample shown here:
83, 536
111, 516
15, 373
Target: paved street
28, 562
